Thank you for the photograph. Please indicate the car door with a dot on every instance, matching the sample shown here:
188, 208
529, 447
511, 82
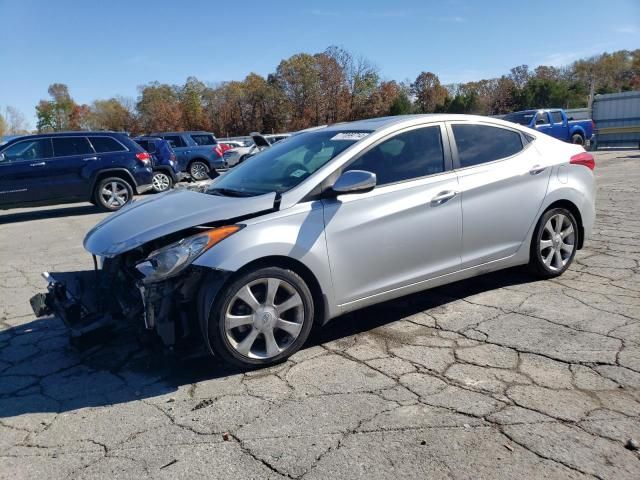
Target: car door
558, 126
406, 230
503, 181
72, 155
23, 171
180, 148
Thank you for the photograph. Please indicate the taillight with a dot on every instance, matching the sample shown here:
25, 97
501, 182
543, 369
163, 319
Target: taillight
218, 150
172, 157
585, 159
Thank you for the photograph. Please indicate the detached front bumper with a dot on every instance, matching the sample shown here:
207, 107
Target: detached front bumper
96, 300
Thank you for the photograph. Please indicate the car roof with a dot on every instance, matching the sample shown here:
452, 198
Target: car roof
374, 124
188, 132
67, 134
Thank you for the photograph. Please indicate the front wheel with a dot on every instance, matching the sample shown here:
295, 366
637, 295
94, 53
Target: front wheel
261, 318
554, 243
112, 193
199, 170
161, 182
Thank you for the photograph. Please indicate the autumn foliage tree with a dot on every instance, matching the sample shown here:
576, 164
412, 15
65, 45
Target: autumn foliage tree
306, 90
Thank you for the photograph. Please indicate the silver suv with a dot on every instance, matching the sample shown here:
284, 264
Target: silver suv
331, 221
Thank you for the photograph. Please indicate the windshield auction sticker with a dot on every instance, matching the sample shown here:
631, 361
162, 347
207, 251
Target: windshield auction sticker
353, 136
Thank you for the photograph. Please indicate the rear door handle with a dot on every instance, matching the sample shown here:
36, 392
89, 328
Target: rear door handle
536, 169
444, 196
90, 159
39, 164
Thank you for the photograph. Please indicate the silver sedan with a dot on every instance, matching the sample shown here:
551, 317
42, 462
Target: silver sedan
337, 219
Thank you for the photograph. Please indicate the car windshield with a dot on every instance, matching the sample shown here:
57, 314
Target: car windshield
286, 164
522, 118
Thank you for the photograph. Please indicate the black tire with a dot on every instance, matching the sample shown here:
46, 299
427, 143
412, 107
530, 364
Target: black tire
199, 170
577, 139
161, 182
537, 264
218, 339
109, 183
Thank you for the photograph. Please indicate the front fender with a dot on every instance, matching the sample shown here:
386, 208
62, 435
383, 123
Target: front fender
297, 233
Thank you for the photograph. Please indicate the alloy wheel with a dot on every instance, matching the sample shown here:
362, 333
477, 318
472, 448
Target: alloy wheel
114, 194
264, 318
160, 182
199, 171
558, 242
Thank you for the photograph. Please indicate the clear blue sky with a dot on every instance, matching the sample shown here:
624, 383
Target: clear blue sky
109, 47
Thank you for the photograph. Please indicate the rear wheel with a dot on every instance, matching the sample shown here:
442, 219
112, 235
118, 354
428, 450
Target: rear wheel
161, 182
577, 139
554, 243
261, 318
199, 170
112, 193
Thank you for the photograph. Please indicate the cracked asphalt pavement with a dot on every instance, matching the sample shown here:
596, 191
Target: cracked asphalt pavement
500, 376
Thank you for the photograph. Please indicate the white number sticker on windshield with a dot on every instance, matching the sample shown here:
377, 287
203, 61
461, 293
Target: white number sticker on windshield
354, 136
297, 173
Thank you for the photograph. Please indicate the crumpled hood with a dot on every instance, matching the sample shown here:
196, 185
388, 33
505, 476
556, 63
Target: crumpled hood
167, 213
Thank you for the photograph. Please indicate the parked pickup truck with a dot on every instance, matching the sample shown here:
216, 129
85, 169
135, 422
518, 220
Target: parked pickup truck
554, 122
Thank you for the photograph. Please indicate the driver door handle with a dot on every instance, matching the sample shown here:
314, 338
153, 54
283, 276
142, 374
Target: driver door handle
90, 159
536, 169
444, 196
39, 164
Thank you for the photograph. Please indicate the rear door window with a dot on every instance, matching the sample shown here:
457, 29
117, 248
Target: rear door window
175, 141
204, 139
479, 144
106, 144
66, 146
26, 150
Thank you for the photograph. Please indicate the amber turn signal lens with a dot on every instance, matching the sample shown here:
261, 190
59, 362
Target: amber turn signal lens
216, 235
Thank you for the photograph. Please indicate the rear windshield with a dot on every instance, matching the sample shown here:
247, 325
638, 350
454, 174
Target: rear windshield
522, 118
204, 139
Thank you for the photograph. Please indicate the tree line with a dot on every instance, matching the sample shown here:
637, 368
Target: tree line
333, 86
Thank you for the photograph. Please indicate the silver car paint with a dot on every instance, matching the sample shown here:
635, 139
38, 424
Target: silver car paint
370, 247
164, 214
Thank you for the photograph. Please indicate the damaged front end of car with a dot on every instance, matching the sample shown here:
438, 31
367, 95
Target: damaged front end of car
143, 271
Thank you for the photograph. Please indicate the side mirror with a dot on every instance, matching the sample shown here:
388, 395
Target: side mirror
2, 157
355, 181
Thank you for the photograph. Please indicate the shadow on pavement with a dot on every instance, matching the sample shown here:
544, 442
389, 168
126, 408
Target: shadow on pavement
40, 372
58, 212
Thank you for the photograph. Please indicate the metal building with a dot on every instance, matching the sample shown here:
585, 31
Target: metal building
617, 119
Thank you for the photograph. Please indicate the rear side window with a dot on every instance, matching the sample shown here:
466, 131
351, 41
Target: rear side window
413, 154
481, 143
556, 117
64, 146
106, 144
27, 150
204, 139
175, 141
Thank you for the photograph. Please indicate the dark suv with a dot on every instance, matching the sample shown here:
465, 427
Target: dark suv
198, 153
104, 168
